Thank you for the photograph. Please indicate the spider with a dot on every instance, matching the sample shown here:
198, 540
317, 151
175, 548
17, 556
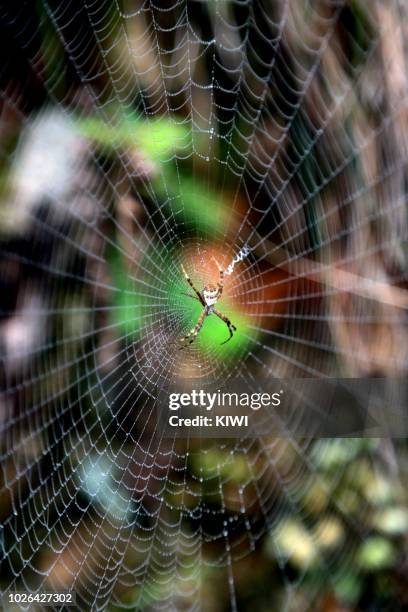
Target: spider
207, 298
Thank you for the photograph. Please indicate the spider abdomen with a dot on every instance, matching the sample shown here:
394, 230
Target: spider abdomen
210, 295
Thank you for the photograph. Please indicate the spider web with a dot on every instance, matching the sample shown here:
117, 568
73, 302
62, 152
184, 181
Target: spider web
139, 136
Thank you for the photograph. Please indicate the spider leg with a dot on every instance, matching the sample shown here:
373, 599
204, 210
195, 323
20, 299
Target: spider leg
192, 334
221, 280
231, 327
190, 282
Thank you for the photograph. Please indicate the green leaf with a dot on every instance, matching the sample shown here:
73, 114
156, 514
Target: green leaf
215, 464
392, 520
376, 553
157, 139
348, 588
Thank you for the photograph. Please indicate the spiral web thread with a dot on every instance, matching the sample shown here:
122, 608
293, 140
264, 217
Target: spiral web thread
265, 111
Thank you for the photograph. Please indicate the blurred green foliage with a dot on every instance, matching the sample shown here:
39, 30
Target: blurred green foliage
157, 139
318, 541
165, 143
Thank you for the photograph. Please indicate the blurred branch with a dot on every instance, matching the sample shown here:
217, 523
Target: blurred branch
333, 276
